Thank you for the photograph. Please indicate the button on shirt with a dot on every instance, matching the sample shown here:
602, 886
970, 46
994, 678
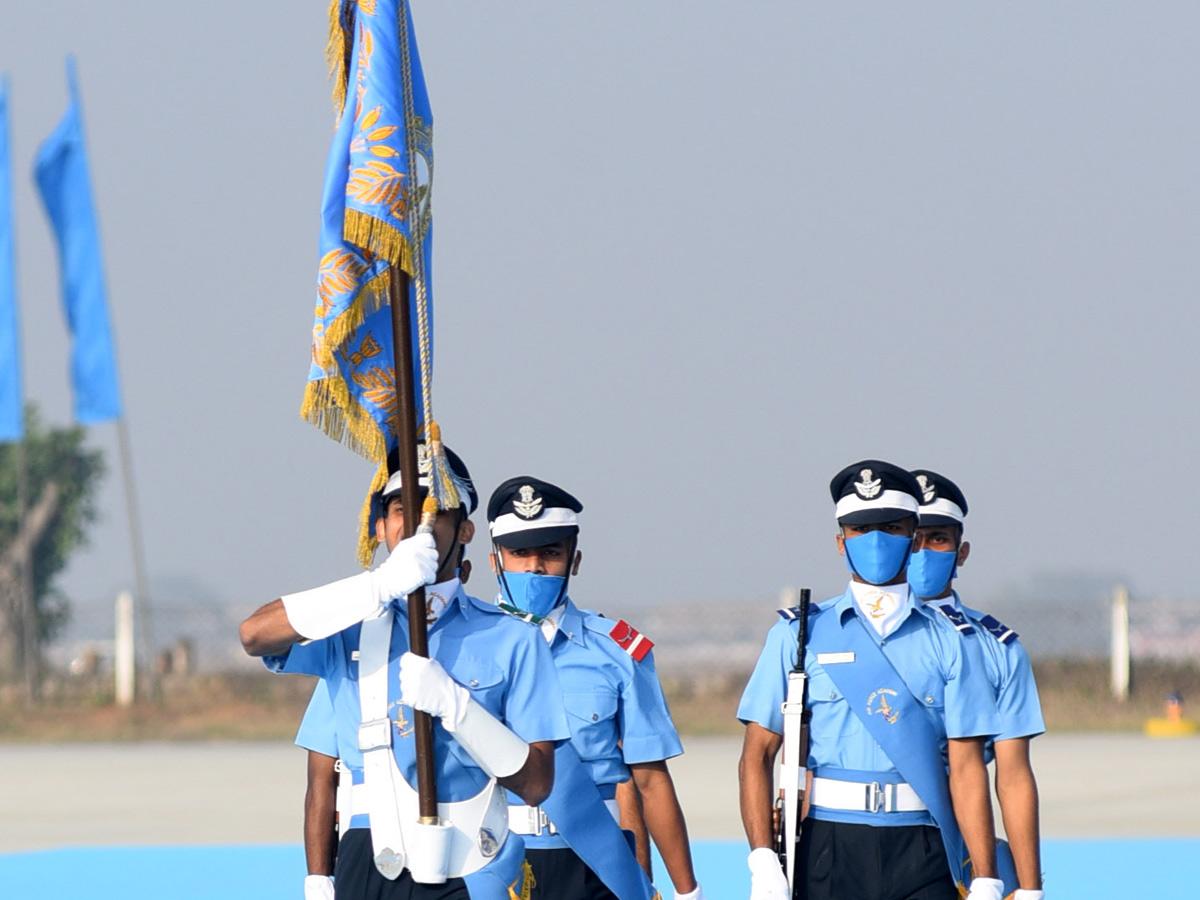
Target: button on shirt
504, 662
927, 655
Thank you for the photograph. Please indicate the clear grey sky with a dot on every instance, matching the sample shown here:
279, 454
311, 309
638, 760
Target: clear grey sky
691, 259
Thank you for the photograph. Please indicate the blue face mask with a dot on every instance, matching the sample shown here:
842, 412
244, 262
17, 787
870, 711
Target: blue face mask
929, 571
537, 594
877, 557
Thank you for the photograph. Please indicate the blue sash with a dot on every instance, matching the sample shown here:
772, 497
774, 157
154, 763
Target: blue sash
581, 817
908, 746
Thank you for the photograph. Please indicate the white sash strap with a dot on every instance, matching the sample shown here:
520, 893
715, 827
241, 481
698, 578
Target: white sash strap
858, 796
478, 826
375, 741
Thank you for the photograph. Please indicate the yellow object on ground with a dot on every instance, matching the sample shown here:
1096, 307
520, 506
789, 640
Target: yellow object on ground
1171, 727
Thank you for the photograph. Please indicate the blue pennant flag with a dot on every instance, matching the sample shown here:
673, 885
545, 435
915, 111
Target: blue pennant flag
11, 424
61, 172
375, 221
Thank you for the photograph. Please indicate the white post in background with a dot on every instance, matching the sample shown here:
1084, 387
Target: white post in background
123, 649
1120, 643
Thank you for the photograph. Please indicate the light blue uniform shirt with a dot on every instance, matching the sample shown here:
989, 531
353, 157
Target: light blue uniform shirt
923, 648
317, 729
615, 705
503, 661
1010, 675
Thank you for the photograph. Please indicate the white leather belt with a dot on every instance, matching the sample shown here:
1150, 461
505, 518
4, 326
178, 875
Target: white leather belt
858, 796
533, 819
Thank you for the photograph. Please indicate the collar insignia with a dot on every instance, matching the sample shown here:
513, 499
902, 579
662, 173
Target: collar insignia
928, 491
529, 505
869, 487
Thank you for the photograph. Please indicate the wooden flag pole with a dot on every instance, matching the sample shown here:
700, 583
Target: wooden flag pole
406, 405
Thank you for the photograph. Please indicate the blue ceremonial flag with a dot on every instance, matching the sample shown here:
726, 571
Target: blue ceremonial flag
375, 220
61, 172
11, 423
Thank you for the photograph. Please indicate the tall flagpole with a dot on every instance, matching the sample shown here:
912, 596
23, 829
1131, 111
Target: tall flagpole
142, 601
410, 498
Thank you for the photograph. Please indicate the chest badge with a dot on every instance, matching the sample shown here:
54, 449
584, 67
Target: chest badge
882, 708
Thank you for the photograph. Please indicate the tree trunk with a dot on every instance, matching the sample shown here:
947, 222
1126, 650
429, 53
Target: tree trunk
18, 612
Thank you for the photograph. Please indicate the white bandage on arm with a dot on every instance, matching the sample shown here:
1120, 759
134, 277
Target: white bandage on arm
490, 742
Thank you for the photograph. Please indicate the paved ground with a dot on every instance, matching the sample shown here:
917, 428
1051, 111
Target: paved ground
58, 795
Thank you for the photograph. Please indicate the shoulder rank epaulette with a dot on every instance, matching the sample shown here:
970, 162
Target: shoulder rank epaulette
793, 612
631, 640
998, 629
521, 614
960, 622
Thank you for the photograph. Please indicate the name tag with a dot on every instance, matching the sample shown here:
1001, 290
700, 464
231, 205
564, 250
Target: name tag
826, 659
354, 656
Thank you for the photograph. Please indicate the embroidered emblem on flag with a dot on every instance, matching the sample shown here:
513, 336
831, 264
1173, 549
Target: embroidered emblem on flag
631, 640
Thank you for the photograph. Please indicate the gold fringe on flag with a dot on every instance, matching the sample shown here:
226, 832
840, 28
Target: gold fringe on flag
366, 528
378, 238
337, 55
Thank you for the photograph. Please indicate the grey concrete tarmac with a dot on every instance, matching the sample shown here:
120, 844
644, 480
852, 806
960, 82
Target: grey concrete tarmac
58, 795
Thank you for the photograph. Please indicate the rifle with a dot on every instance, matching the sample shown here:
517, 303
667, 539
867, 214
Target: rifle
793, 772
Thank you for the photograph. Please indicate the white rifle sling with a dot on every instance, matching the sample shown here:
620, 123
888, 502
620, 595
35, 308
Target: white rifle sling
793, 770
478, 825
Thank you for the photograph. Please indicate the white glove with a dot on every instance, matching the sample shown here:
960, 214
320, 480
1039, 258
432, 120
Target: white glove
1027, 894
986, 889
424, 685
767, 881
318, 887
413, 562
331, 608
697, 894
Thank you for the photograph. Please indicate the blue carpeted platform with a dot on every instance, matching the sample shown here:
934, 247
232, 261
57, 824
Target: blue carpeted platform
1096, 869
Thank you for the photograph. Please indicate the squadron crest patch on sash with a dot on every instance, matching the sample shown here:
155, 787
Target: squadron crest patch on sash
869, 486
631, 640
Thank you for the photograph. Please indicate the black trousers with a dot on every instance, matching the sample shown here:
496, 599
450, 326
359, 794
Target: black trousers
865, 862
561, 875
356, 878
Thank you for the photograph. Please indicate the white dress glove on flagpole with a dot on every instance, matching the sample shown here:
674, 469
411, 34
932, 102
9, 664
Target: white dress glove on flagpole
318, 887
697, 894
326, 610
767, 881
1027, 894
986, 889
424, 685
